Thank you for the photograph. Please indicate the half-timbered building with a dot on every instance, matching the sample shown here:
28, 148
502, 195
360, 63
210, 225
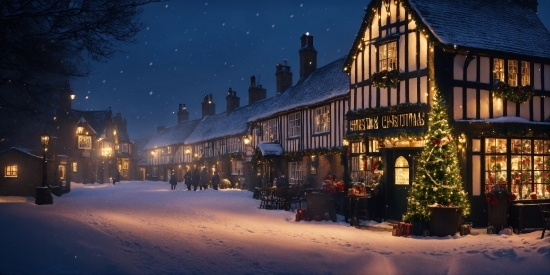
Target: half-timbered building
302, 125
490, 60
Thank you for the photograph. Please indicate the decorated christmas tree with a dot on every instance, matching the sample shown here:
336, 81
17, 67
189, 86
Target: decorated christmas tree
437, 180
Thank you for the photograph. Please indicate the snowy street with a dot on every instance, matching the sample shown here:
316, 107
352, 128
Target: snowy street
144, 228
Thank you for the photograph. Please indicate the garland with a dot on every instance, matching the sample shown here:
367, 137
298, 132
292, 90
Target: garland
517, 94
385, 79
317, 152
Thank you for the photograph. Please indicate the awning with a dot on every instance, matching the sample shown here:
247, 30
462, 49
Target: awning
270, 149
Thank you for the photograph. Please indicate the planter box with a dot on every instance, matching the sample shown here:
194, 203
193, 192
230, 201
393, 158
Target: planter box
444, 221
43, 196
498, 213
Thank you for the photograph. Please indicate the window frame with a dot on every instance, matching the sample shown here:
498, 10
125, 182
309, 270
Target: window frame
294, 125
321, 119
11, 171
295, 172
236, 167
387, 56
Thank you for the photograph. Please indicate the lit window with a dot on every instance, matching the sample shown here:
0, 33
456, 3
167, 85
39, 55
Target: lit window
498, 69
10, 171
124, 147
295, 174
236, 167
294, 125
234, 145
512, 72
525, 73
270, 130
322, 119
74, 167
388, 56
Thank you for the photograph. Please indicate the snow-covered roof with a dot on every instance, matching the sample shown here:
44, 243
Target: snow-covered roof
26, 151
176, 134
324, 84
270, 149
500, 26
505, 119
496, 25
210, 127
96, 119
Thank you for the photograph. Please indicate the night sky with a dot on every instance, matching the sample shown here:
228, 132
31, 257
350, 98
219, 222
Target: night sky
195, 48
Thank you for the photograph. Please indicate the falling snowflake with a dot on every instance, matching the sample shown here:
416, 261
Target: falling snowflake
247, 32
176, 50
257, 14
151, 64
206, 4
223, 24
86, 97
151, 93
147, 28
127, 57
104, 80
292, 15
273, 26
121, 71
301, 5
166, 6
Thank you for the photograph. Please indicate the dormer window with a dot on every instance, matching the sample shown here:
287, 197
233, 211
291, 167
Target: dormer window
388, 56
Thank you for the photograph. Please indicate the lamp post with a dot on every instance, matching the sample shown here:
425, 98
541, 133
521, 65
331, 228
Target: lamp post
43, 193
44, 139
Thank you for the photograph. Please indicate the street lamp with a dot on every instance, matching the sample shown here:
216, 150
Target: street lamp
44, 139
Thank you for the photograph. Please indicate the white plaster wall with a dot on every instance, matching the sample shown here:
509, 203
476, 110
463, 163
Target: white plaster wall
536, 109
412, 52
546, 107
393, 96
402, 50
547, 77
353, 69
537, 85
458, 64
524, 110
476, 174
483, 104
423, 52
359, 61
384, 97
511, 108
471, 71
485, 73
471, 103
373, 96
457, 99
412, 90
498, 108
402, 91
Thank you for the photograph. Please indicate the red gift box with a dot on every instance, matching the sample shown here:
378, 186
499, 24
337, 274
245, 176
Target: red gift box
407, 230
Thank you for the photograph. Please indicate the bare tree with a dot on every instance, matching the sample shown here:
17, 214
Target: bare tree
43, 43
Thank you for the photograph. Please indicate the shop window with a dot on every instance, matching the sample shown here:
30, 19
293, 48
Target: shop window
357, 147
513, 72
187, 154
294, 125
322, 119
498, 69
528, 176
401, 171
525, 73
236, 167
388, 56
542, 168
10, 171
374, 145
155, 172
61, 172
295, 172
74, 166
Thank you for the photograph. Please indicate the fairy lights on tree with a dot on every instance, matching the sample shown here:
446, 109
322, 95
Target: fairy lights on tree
437, 180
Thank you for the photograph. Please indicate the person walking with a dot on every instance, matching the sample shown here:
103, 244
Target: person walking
173, 181
196, 177
188, 179
204, 179
215, 180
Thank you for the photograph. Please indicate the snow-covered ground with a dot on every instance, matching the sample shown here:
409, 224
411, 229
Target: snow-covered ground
144, 228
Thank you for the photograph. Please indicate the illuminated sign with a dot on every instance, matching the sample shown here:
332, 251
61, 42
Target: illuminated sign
85, 142
416, 119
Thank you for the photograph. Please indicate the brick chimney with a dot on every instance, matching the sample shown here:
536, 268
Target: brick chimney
208, 106
183, 114
532, 4
308, 56
255, 93
233, 102
283, 76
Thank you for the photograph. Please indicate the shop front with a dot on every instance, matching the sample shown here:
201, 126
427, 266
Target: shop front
384, 151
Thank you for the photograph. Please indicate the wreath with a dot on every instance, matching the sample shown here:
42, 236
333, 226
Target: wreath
385, 79
518, 94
